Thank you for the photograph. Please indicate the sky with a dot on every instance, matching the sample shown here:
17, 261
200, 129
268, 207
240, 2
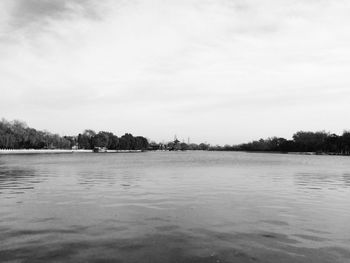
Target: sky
215, 71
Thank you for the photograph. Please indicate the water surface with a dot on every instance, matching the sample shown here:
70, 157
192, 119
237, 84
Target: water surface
174, 207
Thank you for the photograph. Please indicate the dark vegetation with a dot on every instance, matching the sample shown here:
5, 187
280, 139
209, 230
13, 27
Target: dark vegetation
17, 135
89, 139
318, 142
178, 146
315, 142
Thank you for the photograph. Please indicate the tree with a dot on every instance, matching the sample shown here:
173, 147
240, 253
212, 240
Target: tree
310, 141
345, 143
85, 139
17, 135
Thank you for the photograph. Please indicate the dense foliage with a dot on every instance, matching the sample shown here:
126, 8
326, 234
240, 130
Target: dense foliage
17, 135
89, 140
319, 142
178, 146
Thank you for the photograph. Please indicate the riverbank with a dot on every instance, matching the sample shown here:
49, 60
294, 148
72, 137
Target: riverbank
57, 151
294, 153
41, 151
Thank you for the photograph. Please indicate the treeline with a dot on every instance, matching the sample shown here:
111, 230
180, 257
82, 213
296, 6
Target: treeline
89, 140
17, 135
178, 146
302, 141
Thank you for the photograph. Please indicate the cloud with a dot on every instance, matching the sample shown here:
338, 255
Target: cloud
175, 62
26, 20
28, 12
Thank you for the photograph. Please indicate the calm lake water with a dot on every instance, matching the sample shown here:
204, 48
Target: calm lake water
174, 207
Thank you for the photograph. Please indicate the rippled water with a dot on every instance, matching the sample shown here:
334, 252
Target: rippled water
174, 207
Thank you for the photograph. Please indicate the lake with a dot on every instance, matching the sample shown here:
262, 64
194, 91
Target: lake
174, 207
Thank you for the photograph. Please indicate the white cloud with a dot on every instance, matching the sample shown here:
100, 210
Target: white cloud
221, 71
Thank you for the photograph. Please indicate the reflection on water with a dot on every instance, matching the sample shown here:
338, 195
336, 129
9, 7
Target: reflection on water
317, 180
16, 181
346, 179
174, 207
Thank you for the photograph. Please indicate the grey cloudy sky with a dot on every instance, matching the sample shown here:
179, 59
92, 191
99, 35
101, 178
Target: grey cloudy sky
221, 71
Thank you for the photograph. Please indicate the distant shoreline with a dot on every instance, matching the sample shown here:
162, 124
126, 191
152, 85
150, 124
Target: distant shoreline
65, 151
41, 151
57, 151
292, 153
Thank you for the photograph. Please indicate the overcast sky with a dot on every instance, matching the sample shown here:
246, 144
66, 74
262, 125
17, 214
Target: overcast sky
221, 71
